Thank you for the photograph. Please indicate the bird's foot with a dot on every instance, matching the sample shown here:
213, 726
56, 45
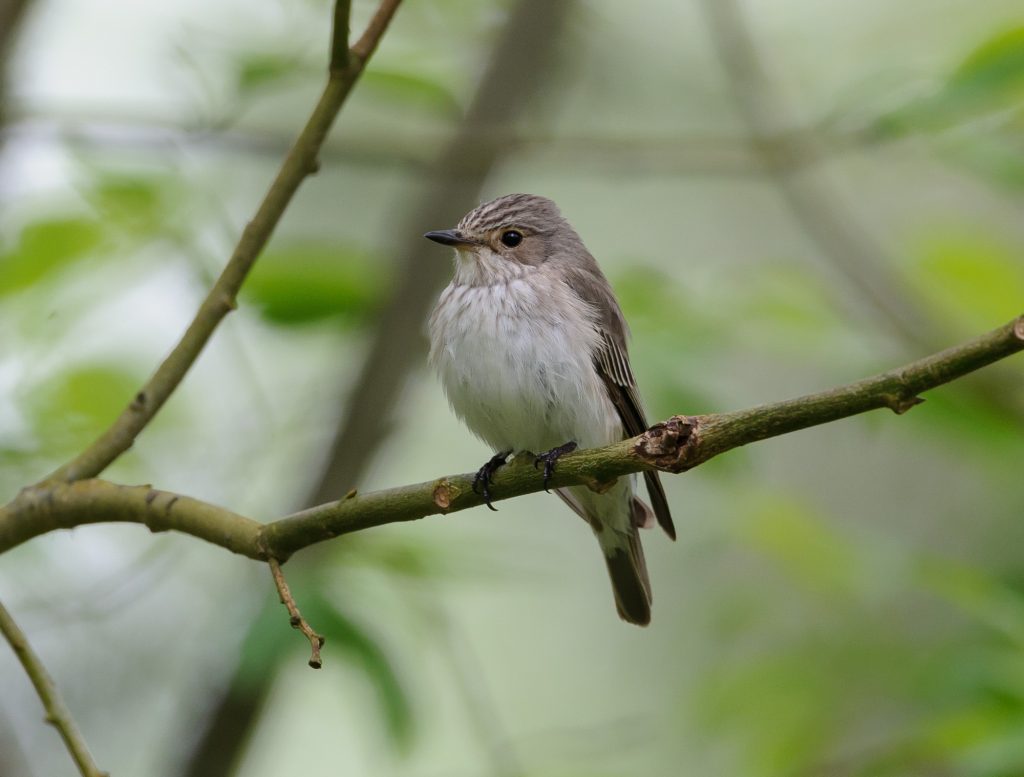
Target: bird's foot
484, 475
550, 457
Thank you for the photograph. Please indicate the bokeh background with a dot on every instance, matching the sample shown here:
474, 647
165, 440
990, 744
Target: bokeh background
786, 195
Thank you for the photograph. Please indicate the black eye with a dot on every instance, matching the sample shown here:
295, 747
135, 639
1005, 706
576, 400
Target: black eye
511, 237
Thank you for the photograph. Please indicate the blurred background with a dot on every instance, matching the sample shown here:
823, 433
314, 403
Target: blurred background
786, 196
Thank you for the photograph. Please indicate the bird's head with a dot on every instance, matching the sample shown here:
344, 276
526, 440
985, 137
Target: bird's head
505, 238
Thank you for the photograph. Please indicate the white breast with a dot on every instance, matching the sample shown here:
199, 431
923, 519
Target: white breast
516, 361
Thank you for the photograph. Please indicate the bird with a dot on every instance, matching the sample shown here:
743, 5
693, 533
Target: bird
530, 346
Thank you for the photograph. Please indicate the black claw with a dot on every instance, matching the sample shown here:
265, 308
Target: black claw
550, 457
486, 473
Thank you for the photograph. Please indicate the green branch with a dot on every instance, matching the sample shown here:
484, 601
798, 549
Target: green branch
57, 712
300, 162
676, 445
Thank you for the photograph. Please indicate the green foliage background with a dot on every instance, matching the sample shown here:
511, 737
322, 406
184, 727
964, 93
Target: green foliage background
844, 601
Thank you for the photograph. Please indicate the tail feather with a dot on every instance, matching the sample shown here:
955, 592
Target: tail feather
623, 554
630, 583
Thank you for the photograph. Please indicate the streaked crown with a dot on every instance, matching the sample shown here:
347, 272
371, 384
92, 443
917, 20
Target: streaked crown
528, 211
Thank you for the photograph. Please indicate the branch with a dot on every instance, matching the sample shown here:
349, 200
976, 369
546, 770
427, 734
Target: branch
57, 713
298, 622
300, 162
49, 506
339, 36
676, 445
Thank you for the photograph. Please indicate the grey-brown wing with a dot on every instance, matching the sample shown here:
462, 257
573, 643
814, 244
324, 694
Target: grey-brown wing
612, 363
613, 366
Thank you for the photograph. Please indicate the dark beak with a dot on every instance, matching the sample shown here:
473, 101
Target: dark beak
448, 237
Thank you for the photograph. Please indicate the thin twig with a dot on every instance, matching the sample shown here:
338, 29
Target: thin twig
298, 622
339, 36
367, 43
57, 713
300, 162
676, 445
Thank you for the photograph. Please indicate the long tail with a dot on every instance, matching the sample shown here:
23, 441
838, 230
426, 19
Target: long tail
623, 553
628, 572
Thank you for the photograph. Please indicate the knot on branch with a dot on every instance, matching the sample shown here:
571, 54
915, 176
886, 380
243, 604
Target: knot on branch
901, 403
667, 445
443, 494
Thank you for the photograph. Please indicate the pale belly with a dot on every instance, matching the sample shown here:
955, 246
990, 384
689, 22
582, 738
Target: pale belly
519, 379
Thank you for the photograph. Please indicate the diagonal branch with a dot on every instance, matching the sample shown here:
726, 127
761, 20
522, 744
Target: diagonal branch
676, 445
300, 162
57, 712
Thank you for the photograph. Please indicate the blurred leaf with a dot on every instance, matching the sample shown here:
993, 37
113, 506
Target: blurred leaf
986, 91
410, 89
255, 70
989, 80
342, 633
136, 203
73, 406
299, 284
43, 247
994, 71
972, 275
270, 640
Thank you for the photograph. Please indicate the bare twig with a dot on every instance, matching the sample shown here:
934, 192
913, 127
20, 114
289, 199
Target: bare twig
678, 444
339, 36
57, 713
363, 48
298, 622
300, 162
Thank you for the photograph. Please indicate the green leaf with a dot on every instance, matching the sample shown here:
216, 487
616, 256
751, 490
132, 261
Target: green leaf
256, 70
303, 283
410, 89
993, 71
45, 247
268, 642
973, 276
137, 203
72, 407
989, 80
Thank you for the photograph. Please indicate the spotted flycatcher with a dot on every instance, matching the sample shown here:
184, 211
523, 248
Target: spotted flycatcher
530, 345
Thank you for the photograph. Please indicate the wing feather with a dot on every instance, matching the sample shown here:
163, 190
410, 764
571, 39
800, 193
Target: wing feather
612, 362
